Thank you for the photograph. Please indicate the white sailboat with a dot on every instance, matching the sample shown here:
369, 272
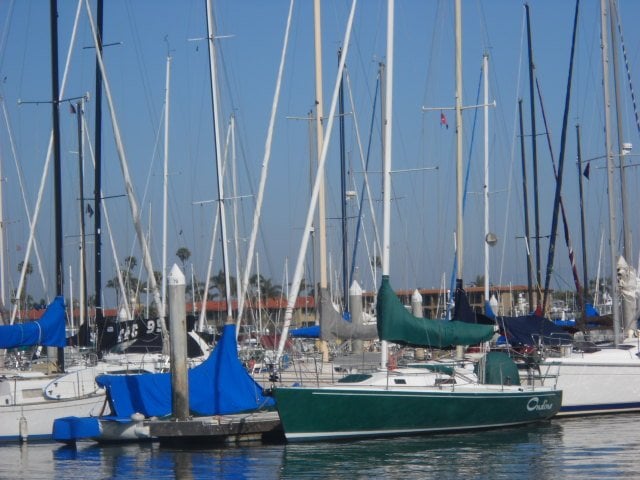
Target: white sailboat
595, 378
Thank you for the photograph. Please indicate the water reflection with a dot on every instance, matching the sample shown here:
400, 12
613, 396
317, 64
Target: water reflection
596, 447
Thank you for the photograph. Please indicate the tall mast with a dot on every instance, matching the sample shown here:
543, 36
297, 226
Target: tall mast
459, 168
585, 276
83, 257
97, 188
386, 161
343, 196
322, 228
165, 189
534, 149
613, 240
57, 171
217, 153
485, 71
526, 207
626, 226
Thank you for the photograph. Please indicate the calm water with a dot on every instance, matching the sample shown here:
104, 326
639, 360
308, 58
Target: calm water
595, 447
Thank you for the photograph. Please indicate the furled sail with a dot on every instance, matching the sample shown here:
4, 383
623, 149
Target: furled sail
48, 331
396, 324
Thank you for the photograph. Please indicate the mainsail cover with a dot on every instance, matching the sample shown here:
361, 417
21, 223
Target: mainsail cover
218, 386
531, 330
334, 327
396, 324
48, 331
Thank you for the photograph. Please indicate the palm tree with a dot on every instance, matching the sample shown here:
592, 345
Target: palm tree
218, 285
183, 253
28, 271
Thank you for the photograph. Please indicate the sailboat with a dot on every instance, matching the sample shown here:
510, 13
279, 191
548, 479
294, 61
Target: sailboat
433, 398
596, 378
220, 385
30, 400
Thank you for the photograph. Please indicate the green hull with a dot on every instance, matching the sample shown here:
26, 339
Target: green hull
339, 413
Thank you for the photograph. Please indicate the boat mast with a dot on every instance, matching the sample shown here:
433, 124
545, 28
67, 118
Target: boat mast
343, 192
485, 71
133, 204
557, 202
313, 202
386, 166
265, 169
322, 235
626, 226
459, 167
97, 182
57, 171
534, 150
322, 226
83, 257
585, 276
216, 146
613, 236
165, 189
526, 207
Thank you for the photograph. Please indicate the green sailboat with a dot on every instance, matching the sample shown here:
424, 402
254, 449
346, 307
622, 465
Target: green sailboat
435, 397
431, 397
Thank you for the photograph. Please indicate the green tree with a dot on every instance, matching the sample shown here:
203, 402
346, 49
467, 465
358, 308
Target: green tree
218, 287
183, 253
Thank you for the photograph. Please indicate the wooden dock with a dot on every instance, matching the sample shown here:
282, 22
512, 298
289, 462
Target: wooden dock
224, 429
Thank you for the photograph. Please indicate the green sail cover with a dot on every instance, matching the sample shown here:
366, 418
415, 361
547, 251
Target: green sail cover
396, 324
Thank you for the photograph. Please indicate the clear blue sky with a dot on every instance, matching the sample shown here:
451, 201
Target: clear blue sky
424, 202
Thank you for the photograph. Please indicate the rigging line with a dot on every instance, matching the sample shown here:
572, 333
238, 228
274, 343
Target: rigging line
20, 173
626, 66
513, 149
5, 33
565, 223
563, 139
144, 74
365, 182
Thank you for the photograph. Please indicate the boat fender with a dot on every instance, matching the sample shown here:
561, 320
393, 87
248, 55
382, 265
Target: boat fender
137, 417
23, 429
392, 364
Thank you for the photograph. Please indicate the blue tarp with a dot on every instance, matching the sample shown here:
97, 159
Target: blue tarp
532, 329
590, 310
49, 331
218, 386
306, 332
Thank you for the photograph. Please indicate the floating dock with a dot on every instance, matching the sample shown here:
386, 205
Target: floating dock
226, 429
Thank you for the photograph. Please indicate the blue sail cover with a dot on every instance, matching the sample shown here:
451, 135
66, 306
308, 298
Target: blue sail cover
306, 332
218, 386
48, 331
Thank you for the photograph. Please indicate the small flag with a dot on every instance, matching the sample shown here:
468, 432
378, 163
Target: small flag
587, 169
72, 109
89, 210
443, 120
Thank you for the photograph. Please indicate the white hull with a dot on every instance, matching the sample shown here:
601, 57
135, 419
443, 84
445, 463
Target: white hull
604, 381
35, 420
30, 401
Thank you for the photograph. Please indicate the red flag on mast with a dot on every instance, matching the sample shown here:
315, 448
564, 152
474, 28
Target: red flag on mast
443, 120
